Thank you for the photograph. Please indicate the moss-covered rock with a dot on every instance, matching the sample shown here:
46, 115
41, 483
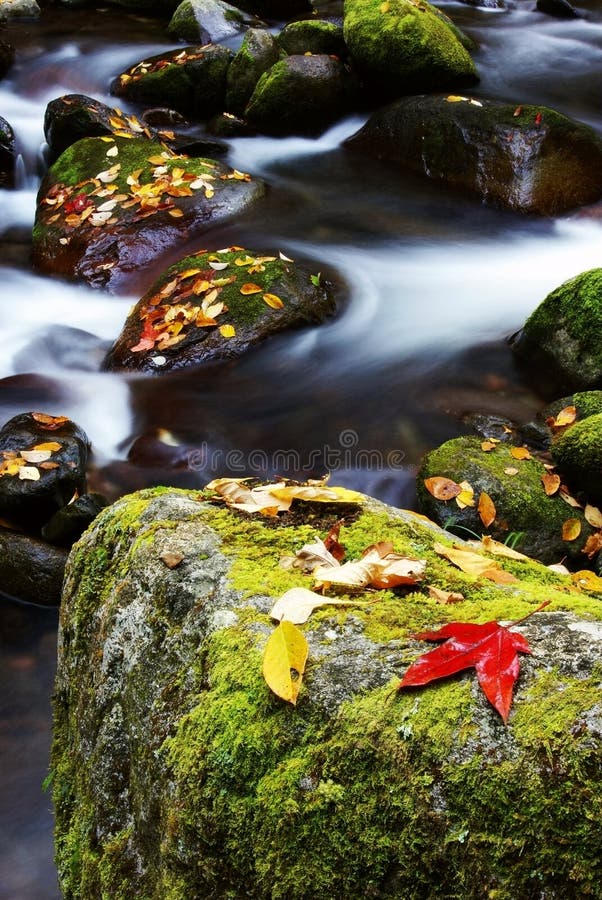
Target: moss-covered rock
540, 432
301, 95
577, 452
258, 52
216, 306
176, 774
191, 80
521, 503
537, 161
405, 47
313, 36
107, 208
559, 342
207, 21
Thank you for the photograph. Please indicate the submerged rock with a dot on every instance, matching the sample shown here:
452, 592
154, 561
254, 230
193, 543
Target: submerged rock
258, 53
559, 343
522, 506
207, 21
176, 773
404, 46
105, 209
191, 80
217, 306
301, 95
527, 158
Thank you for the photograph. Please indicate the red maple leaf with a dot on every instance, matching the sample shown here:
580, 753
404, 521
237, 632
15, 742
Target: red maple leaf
490, 648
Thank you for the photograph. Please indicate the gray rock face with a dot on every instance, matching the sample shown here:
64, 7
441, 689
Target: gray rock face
526, 158
207, 21
177, 774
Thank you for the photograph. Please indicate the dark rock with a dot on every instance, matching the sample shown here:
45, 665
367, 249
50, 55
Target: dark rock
313, 36
275, 9
68, 524
7, 155
177, 773
52, 480
577, 452
538, 431
162, 117
32, 391
560, 9
31, 569
208, 21
301, 95
527, 158
258, 53
7, 57
155, 215
159, 448
409, 47
68, 348
559, 343
521, 503
228, 126
191, 80
488, 4
172, 330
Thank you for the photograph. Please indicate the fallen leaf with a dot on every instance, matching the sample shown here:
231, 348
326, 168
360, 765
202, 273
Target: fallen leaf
559, 568
310, 556
466, 496
250, 288
565, 417
486, 509
593, 545
538, 118
297, 605
332, 544
520, 453
517, 111
487, 446
49, 423
593, 515
171, 558
571, 529
475, 564
227, 331
490, 648
497, 549
444, 597
551, 483
382, 572
36, 456
442, 488
29, 473
176, 213
284, 661
273, 301
511, 470
565, 495
587, 580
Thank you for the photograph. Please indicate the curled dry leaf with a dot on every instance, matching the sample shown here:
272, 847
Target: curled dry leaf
593, 515
444, 597
486, 509
497, 549
284, 661
309, 557
297, 605
50, 423
374, 570
566, 495
442, 488
565, 417
270, 499
332, 543
551, 483
488, 445
593, 545
559, 568
571, 529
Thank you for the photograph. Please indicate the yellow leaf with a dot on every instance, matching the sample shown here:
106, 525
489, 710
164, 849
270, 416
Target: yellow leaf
250, 288
316, 493
486, 509
176, 213
593, 516
571, 529
474, 564
157, 160
455, 98
284, 661
442, 488
551, 484
565, 417
227, 331
587, 580
53, 446
488, 445
520, 453
492, 546
297, 605
273, 301
466, 496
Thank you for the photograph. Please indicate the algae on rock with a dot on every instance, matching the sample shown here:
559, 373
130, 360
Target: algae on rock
176, 774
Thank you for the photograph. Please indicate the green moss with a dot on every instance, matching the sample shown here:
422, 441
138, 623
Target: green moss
312, 36
578, 454
258, 52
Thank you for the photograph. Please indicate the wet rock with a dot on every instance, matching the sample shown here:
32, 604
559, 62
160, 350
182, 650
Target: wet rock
521, 503
31, 569
530, 159
32, 391
68, 524
176, 772
208, 21
43, 464
560, 9
162, 117
538, 431
82, 231
217, 306
275, 9
313, 36
64, 347
577, 451
488, 4
301, 95
228, 126
558, 343
159, 448
258, 52
408, 47
191, 80
7, 57
19, 9
7, 154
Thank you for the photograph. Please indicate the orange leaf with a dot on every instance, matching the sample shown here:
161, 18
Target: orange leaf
487, 446
49, 445
565, 417
442, 488
571, 529
176, 213
250, 288
50, 423
551, 483
593, 545
486, 509
520, 453
273, 301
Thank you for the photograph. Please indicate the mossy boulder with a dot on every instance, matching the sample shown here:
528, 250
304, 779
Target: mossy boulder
207, 21
7, 154
258, 53
577, 452
521, 503
405, 47
586, 403
107, 208
313, 36
191, 80
530, 159
216, 306
559, 343
176, 774
301, 95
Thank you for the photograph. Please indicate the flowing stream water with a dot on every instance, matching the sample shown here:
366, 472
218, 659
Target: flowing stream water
436, 282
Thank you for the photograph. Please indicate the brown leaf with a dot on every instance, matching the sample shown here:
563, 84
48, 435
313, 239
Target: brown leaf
486, 509
50, 423
171, 558
488, 445
551, 483
474, 564
571, 529
565, 417
593, 545
442, 488
250, 288
444, 597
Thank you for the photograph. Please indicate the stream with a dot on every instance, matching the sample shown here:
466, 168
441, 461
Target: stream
436, 283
